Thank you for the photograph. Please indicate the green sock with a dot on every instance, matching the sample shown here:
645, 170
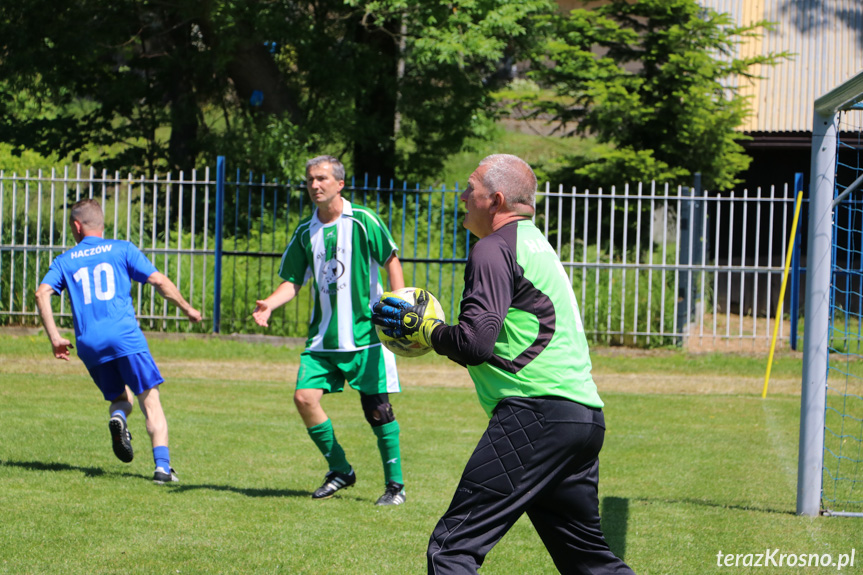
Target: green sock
325, 438
388, 445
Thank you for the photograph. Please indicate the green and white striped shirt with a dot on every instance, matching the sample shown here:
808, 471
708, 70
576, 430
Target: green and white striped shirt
343, 258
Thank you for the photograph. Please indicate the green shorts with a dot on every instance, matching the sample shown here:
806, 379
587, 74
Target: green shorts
369, 371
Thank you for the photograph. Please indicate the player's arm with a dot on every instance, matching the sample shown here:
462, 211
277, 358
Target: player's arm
169, 291
59, 344
394, 272
264, 308
489, 278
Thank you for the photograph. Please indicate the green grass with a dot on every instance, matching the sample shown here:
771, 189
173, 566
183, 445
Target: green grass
677, 362
682, 476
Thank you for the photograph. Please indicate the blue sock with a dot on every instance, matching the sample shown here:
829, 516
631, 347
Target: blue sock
162, 457
119, 413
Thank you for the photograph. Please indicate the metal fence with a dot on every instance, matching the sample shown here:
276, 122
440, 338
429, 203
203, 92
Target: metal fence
650, 264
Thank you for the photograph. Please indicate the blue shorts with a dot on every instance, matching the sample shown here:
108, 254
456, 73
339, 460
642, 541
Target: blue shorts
138, 371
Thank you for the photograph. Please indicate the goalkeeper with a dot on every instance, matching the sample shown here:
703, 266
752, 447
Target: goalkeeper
520, 335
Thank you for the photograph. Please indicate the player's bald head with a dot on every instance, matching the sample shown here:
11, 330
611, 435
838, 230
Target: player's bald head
89, 214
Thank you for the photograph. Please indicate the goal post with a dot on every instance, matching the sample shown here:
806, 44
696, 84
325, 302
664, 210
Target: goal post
819, 277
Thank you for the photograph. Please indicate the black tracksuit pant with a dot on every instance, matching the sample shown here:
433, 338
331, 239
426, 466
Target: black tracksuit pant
537, 456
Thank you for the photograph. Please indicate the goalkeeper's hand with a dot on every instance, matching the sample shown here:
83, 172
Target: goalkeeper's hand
401, 319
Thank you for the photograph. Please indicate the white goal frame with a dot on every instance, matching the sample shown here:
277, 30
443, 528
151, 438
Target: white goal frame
818, 276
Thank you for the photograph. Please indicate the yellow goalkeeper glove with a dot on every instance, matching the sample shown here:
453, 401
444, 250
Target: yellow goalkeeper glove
401, 319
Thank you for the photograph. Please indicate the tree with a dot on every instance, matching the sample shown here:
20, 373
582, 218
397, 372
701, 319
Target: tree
84, 75
392, 86
658, 80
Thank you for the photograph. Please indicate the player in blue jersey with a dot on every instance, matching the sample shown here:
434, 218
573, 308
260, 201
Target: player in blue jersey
97, 276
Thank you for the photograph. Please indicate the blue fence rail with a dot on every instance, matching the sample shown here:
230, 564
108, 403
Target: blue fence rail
262, 215
651, 264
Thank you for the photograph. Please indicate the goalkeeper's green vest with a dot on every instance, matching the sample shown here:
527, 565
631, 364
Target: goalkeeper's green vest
562, 368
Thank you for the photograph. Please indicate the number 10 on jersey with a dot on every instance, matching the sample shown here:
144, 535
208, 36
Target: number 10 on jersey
103, 282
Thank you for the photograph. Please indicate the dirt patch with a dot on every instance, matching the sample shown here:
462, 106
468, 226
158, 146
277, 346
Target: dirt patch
451, 375
420, 375
736, 334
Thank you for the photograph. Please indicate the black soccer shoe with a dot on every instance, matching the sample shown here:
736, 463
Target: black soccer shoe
121, 439
394, 494
333, 481
160, 476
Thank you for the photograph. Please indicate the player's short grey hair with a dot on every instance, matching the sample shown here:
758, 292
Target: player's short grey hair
338, 168
88, 213
511, 176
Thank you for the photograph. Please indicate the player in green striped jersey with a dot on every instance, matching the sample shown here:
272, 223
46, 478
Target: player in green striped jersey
342, 247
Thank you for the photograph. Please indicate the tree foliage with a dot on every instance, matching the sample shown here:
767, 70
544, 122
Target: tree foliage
658, 79
392, 86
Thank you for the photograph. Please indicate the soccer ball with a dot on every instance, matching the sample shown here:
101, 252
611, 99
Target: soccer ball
403, 346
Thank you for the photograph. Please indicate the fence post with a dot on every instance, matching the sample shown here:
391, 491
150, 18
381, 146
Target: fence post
697, 249
795, 271
220, 208
691, 239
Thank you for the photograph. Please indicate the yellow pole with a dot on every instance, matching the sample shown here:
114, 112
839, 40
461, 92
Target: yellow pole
782, 291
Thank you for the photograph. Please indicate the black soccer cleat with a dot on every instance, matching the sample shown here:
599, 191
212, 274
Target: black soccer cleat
394, 494
333, 481
160, 476
121, 439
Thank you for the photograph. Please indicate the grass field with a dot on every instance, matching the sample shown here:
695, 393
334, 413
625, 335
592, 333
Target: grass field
694, 463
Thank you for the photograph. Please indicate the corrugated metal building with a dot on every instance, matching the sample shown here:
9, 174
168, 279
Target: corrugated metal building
825, 38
